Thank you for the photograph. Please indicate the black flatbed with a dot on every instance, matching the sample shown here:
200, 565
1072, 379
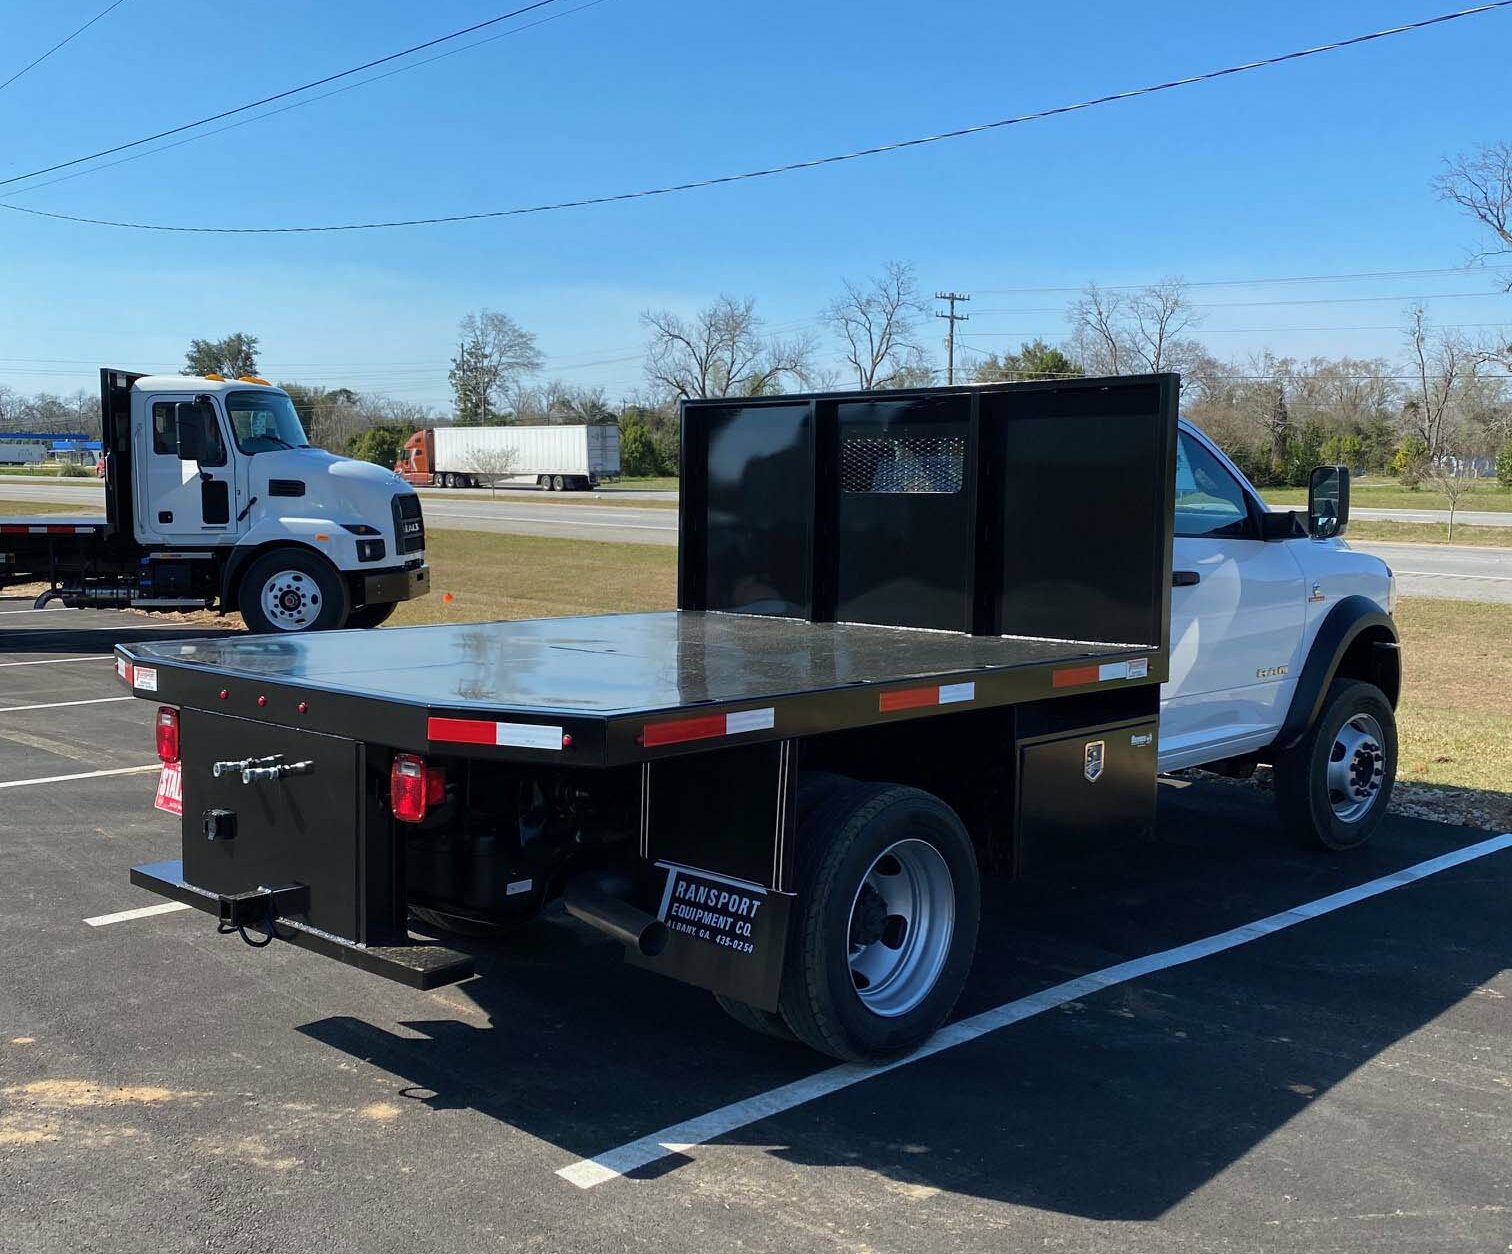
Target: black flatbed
602, 674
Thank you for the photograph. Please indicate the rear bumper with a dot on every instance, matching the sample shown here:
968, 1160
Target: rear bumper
383, 587
416, 966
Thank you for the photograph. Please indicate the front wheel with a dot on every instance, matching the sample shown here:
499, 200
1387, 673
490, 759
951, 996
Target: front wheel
365, 616
889, 901
292, 590
1334, 785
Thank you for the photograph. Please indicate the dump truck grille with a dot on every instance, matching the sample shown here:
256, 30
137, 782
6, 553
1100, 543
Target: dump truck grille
409, 526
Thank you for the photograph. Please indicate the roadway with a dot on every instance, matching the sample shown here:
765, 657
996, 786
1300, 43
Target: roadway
1461, 573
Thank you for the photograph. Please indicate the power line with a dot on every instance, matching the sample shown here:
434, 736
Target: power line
66, 40
293, 91
300, 104
697, 184
1294, 278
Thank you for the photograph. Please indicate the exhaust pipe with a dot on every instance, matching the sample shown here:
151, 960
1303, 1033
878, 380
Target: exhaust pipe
597, 898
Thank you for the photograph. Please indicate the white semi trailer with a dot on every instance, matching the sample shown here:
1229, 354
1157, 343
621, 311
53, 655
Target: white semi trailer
552, 457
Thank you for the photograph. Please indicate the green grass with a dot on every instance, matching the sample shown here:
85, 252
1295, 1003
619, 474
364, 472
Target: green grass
24, 508
1388, 494
51, 472
547, 498
643, 483
1430, 533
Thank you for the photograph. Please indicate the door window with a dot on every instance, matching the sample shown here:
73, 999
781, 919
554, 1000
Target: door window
165, 434
1209, 500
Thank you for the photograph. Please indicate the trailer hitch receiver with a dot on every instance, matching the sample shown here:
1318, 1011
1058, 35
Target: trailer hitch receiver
259, 906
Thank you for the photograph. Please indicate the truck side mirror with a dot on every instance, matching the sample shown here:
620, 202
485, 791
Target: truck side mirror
192, 421
1327, 501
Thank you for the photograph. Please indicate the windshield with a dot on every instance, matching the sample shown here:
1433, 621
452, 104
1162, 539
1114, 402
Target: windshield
264, 421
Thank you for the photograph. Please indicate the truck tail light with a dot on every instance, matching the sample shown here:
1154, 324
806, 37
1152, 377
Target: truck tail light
415, 786
167, 733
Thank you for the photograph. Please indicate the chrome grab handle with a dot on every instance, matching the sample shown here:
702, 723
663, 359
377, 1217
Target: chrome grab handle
256, 774
236, 768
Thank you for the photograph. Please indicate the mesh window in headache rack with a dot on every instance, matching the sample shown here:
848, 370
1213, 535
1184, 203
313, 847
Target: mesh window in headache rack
901, 463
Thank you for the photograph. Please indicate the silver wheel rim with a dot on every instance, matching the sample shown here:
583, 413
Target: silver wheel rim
291, 600
902, 920
1356, 768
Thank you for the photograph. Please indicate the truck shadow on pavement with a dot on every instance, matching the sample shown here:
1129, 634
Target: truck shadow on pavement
1117, 1107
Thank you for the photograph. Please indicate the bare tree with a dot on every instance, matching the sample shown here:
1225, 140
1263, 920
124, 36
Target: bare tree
721, 351
1481, 185
1438, 361
876, 324
493, 353
1135, 332
490, 464
1453, 478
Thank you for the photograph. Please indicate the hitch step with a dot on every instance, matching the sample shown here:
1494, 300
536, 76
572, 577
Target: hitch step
415, 966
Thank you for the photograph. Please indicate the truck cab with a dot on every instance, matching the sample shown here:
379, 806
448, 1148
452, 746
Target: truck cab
1274, 621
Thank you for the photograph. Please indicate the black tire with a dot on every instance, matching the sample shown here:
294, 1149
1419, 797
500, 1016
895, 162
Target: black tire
461, 925
839, 840
365, 616
1352, 711
766, 1022
446, 480
558, 484
321, 587
543, 482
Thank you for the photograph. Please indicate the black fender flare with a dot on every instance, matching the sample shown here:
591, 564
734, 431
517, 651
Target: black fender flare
1344, 624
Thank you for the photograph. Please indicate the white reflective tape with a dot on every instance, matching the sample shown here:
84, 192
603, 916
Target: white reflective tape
145, 678
527, 736
951, 693
1113, 670
518, 887
750, 720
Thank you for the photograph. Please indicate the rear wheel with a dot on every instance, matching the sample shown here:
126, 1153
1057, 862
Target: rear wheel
292, 590
886, 920
557, 483
1334, 785
767, 1022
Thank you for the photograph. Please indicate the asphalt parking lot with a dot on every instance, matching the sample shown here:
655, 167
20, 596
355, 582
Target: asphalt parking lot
1335, 1078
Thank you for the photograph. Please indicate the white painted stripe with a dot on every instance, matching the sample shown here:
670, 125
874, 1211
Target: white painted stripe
141, 912
53, 661
750, 720
701, 1129
62, 609
951, 693
1451, 574
57, 705
63, 779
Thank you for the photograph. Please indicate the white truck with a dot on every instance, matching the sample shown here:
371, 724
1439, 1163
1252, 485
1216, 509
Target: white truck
556, 458
214, 498
920, 635
22, 452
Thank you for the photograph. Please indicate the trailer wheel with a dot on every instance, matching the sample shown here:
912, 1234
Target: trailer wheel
766, 1022
885, 924
557, 483
1333, 786
365, 616
290, 590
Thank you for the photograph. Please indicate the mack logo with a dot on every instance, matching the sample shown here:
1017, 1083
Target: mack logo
1271, 672
411, 528
1092, 761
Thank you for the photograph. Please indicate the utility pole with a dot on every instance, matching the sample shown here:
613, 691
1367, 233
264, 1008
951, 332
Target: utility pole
952, 317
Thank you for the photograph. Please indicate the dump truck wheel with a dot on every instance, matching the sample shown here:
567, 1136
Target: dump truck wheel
885, 924
287, 591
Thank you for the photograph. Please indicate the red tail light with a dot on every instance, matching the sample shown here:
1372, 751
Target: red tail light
409, 787
167, 733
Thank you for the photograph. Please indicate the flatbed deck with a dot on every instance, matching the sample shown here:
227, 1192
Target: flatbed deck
607, 681
51, 525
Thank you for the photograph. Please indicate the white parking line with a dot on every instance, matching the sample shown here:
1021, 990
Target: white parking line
681, 1137
56, 705
65, 609
1450, 574
63, 779
53, 661
141, 912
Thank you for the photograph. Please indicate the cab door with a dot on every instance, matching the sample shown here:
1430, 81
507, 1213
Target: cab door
1238, 607
179, 502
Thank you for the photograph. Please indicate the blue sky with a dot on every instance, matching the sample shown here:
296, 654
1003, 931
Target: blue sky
1321, 167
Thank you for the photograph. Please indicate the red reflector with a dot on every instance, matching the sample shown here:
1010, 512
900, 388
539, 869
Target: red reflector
435, 785
462, 731
908, 699
409, 787
1072, 676
167, 734
676, 732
